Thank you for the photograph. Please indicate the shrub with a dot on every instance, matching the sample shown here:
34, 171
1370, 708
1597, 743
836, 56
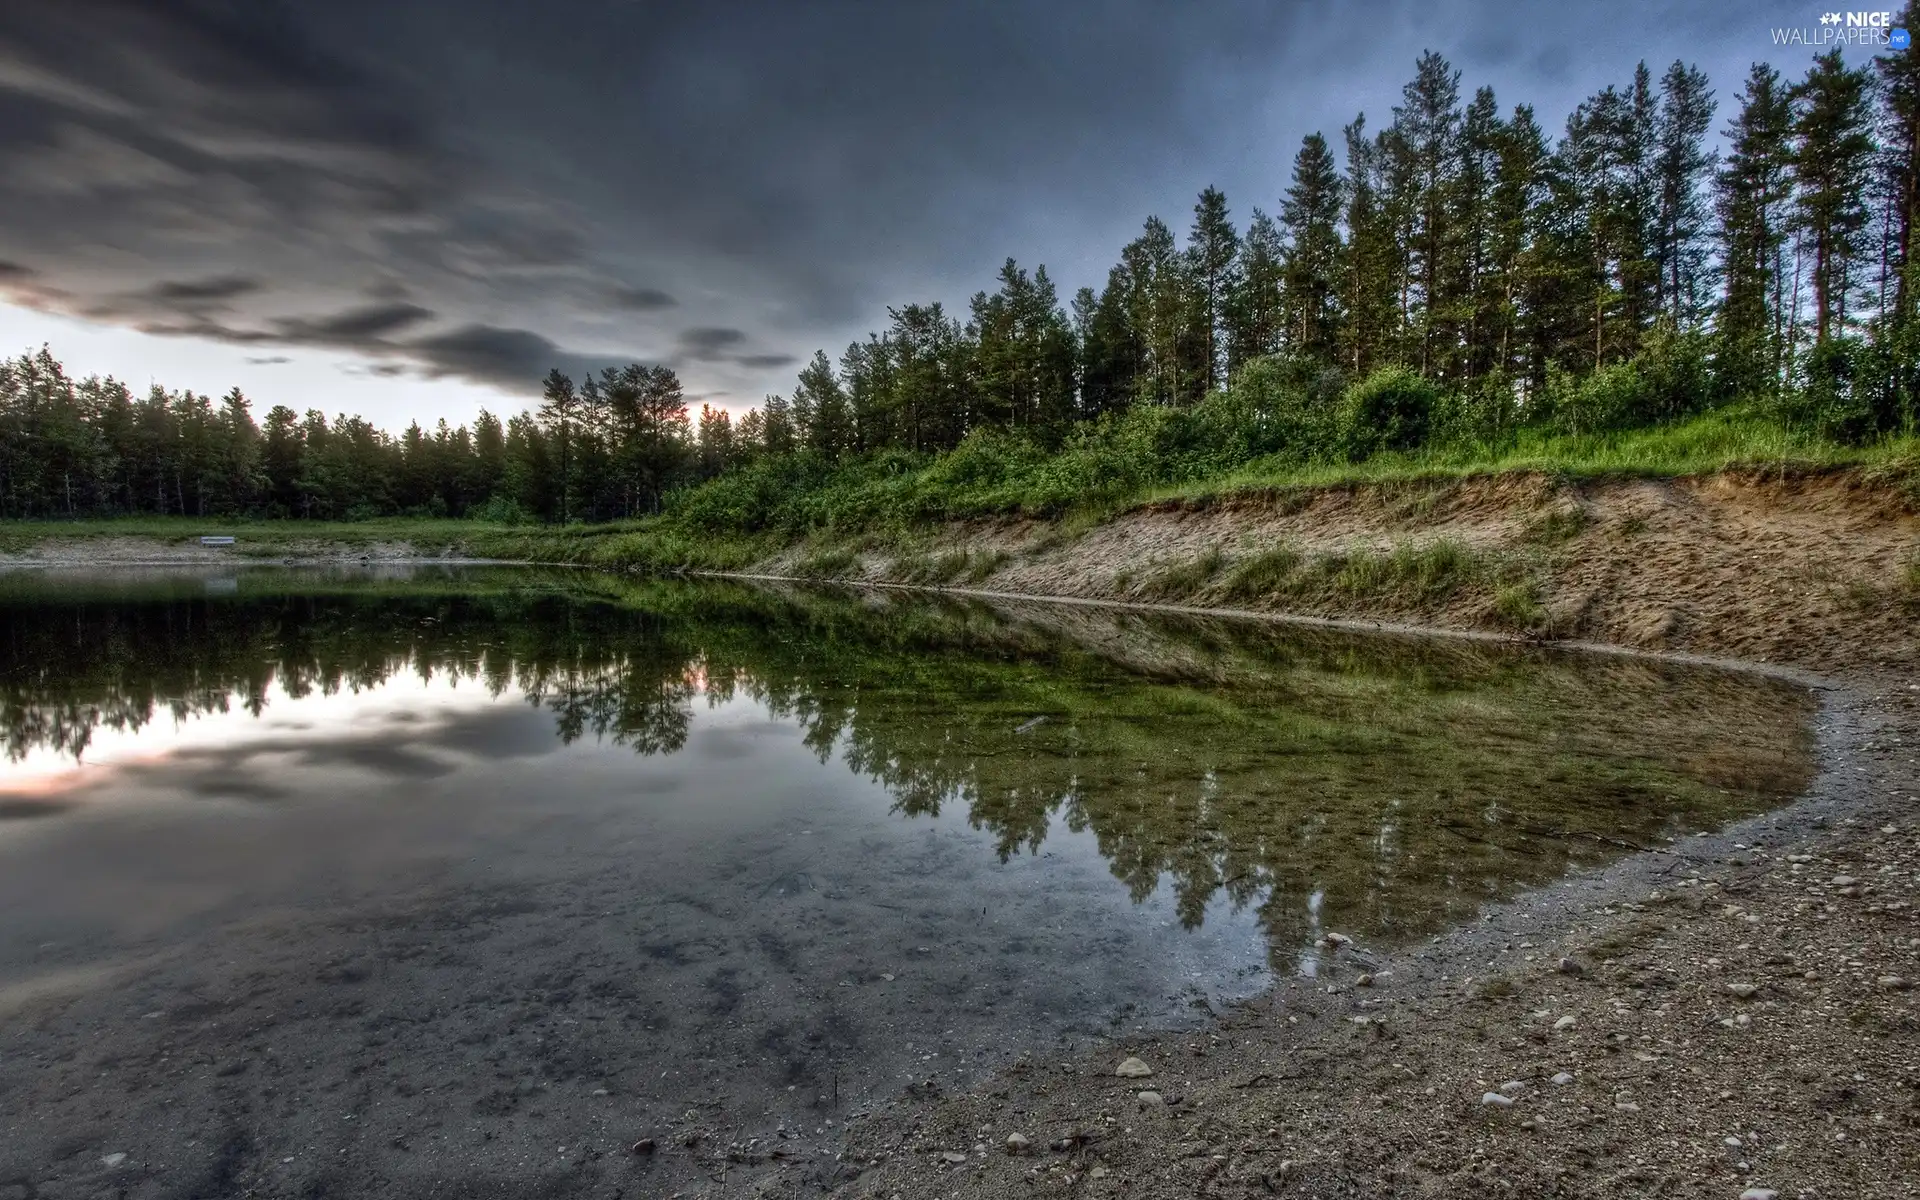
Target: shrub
1837, 398
1391, 409
1287, 408
1518, 606
500, 510
1485, 413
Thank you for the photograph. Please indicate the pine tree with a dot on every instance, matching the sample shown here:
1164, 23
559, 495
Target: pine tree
1832, 142
1309, 219
280, 459
714, 441
1426, 126
1212, 254
1751, 195
1900, 92
489, 457
1256, 316
820, 406
1515, 274
559, 412
1682, 164
776, 417
1112, 354
1155, 302
1467, 310
1372, 279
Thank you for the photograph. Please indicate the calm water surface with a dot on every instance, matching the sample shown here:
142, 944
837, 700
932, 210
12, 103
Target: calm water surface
325, 880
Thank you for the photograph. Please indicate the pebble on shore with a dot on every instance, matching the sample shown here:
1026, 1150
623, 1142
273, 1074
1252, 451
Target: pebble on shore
1133, 1068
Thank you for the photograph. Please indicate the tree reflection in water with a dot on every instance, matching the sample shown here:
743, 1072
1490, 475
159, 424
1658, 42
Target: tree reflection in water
1403, 781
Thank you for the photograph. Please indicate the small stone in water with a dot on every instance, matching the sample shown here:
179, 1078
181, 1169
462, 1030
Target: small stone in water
1759, 1194
1745, 991
952, 1156
1017, 1143
114, 1159
1565, 1023
1497, 1100
1150, 1099
1513, 1087
1562, 1079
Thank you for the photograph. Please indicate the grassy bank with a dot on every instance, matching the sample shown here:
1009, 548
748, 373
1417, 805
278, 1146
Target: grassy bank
988, 511
252, 536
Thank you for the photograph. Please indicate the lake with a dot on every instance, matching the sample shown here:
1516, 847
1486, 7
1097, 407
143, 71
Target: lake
449, 880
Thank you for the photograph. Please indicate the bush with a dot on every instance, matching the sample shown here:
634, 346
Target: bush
500, 510
1286, 408
1391, 409
1667, 380
1486, 413
1837, 398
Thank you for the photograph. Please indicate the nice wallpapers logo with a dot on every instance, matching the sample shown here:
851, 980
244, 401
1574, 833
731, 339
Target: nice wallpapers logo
1863, 28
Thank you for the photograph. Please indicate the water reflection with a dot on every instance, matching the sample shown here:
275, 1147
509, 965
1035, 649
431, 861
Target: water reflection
1381, 785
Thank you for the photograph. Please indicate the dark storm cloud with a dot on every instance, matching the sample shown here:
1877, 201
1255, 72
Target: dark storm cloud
355, 328
710, 343
776, 173
643, 299
202, 291
507, 357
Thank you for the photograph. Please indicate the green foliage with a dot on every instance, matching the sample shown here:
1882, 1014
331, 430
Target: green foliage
1836, 402
1558, 525
1390, 410
1667, 380
1518, 606
1264, 574
827, 562
1183, 580
500, 510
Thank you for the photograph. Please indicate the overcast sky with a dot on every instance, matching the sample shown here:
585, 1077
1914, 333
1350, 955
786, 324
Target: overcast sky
413, 208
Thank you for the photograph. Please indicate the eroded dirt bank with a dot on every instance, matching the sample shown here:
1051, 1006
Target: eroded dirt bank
1821, 571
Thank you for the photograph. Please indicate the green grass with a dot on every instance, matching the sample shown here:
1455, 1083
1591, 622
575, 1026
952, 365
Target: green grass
1411, 574
1262, 574
1518, 606
1715, 441
257, 536
1183, 580
952, 566
1558, 525
828, 562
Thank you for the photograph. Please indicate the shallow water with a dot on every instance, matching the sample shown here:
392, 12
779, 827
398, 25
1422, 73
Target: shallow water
416, 875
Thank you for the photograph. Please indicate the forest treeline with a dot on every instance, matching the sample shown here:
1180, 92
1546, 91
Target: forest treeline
1455, 277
